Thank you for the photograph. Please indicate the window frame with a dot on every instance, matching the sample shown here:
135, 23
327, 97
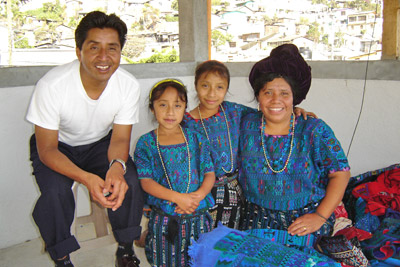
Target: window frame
195, 47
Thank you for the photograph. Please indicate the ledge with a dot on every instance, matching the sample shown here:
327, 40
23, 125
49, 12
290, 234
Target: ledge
377, 70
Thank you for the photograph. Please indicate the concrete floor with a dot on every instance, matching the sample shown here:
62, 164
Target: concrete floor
31, 253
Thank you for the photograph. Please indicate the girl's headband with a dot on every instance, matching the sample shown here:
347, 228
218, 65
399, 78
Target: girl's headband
164, 81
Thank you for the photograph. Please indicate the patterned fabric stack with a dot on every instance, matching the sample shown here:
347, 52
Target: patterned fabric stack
343, 250
228, 247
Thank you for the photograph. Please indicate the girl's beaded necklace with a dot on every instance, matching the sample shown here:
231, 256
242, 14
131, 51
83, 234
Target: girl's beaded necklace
162, 162
291, 144
229, 135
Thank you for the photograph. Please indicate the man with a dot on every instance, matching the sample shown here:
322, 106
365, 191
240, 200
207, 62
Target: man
83, 113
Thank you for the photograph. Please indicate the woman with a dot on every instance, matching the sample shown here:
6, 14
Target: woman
218, 121
293, 171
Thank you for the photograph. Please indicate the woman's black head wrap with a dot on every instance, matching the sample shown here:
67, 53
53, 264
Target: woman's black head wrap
285, 60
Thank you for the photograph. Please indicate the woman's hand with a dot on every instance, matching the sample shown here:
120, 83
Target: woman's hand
302, 112
306, 224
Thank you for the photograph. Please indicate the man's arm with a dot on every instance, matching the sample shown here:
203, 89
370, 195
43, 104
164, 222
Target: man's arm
47, 146
119, 149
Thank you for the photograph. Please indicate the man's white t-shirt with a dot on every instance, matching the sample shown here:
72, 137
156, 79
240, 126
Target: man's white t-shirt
59, 102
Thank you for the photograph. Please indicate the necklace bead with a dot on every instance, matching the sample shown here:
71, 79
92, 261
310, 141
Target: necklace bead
291, 145
162, 161
229, 135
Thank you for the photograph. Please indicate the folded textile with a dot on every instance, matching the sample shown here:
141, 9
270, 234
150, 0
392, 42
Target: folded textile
340, 211
392, 214
342, 250
352, 232
340, 224
382, 193
390, 262
365, 221
370, 176
229, 247
385, 242
283, 237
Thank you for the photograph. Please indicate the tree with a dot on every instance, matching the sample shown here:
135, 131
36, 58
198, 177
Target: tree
325, 39
219, 38
269, 21
313, 33
174, 5
22, 43
304, 21
53, 16
53, 12
339, 39
151, 16
171, 18
166, 55
215, 2
18, 16
363, 5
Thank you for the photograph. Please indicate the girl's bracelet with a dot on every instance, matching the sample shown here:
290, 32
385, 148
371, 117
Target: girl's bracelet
316, 212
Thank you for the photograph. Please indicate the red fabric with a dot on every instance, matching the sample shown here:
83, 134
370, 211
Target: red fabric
382, 193
340, 211
352, 232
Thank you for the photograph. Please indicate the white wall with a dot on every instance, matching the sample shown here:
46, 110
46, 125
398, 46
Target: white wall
376, 143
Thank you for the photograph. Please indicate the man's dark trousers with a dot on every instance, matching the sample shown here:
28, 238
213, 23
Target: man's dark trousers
55, 208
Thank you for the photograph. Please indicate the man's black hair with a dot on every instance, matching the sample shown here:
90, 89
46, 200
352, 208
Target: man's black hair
98, 19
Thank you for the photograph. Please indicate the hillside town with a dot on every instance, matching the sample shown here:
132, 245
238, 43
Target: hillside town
43, 30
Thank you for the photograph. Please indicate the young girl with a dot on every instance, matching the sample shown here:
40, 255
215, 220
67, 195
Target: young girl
219, 122
175, 169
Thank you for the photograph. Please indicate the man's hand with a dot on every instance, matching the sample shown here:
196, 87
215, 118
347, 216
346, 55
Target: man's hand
119, 149
95, 186
116, 185
47, 144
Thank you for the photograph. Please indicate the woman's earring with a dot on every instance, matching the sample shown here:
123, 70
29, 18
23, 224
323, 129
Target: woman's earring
258, 107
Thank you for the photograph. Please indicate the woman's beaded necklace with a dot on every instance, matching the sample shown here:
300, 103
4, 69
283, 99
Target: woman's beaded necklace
291, 145
229, 135
162, 162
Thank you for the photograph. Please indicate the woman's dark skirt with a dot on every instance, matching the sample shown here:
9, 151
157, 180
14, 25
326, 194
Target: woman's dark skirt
257, 217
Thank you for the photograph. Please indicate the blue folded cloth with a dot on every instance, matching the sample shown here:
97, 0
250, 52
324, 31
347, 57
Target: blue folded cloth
229, 247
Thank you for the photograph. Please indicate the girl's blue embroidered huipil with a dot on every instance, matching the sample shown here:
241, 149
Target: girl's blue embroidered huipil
217, 132
175, 159
316, 153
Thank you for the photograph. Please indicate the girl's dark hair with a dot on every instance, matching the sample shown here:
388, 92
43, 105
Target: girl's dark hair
159, 88
98, 19
212, 66
263, 79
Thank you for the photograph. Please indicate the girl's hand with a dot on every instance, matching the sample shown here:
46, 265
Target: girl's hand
179, 210
195, 196
299, 111
198, 195
187, 203
306, 224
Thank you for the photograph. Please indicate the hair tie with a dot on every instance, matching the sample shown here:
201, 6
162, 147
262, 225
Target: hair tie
164, 81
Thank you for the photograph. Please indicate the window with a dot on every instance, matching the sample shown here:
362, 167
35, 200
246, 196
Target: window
322, 28
42, 31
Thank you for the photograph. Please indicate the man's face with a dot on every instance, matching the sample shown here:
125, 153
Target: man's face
100, 56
